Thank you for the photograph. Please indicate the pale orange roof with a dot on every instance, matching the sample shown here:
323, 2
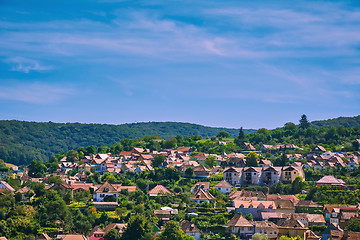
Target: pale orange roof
159, 190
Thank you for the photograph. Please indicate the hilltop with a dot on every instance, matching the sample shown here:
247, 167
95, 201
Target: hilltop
21, 141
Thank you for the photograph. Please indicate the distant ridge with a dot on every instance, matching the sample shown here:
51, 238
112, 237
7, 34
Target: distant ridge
22, 141
335, 122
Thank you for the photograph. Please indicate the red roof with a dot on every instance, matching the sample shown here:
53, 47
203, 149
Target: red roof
159, 190
330, 180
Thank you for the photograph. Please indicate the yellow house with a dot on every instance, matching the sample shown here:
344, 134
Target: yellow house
293, 228
289, 174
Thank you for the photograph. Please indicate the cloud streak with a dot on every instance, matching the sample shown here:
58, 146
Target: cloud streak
35, 93
25, 65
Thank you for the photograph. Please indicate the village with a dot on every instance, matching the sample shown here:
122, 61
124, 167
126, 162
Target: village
225, 196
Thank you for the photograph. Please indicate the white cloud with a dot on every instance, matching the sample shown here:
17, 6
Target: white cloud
25, 65
38, 93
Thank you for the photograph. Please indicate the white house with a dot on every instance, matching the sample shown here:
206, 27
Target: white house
224, 187
105, 190
190, 229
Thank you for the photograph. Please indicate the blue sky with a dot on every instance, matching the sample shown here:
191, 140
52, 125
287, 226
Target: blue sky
217, 63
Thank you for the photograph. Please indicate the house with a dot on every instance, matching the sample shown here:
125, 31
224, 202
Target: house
290, 173
159, 190
262, 175
164, 215
247, 195
119, 227
203, 185
330, 230
284, 206
96, 233
253, 207
307, 206
292, 228
79, 187
236, 159
267, 228
249, 146
5, 186
238, 224
201, 172
273, 197
319, 149
265, 163
190, 229
202, 196
224, 187
271, 175
26, 193
137, 150
3, 238
331, 181
105, 190
344, 235
42, 236
74, 237
353, 163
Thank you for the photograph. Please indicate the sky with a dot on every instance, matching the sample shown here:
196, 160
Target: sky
235, 64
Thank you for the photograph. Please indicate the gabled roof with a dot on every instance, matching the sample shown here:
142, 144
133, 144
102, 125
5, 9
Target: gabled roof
265, 224
253, 204
106, 188
96, 230
159, 190
188, 227
292, 223
307, 203
74, 237
202, 195
120, 227
238, 221
183, 149
203, 185
273, 197
7, 186
223, 184
330, 180
23, 190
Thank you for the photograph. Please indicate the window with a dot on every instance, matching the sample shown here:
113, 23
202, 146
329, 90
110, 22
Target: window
102, 195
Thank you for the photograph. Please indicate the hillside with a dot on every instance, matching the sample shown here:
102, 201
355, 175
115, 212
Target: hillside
21, 142
335, 122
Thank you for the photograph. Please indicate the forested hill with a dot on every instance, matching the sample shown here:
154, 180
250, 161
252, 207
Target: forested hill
335, 122
21, 142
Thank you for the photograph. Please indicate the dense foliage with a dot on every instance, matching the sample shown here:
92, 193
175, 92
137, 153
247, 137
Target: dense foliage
21, 142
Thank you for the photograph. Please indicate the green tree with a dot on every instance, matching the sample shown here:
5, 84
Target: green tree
289, 126
171, 143
103, 149
304, 123
210, 161
173, 232
297, 185
222, 135
354, 225
252, 160
72, 156
138, 228
259, 236
189, 172
37, 169
249, 217
158, 160
90, 150
113, 234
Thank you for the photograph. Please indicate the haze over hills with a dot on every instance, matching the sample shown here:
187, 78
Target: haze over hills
22, 141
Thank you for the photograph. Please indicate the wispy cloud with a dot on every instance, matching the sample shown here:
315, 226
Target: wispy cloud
25, 65
37, 93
